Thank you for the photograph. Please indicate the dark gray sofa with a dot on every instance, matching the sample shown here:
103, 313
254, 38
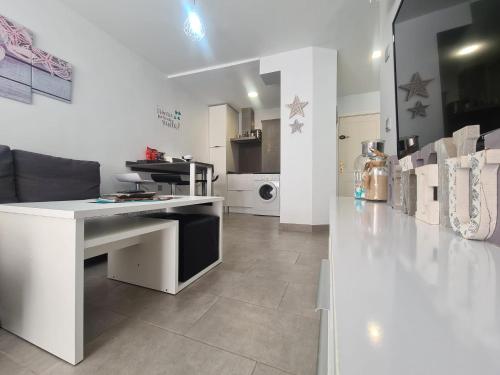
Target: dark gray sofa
30, 177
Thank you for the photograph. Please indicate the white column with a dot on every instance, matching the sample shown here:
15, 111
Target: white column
308, 157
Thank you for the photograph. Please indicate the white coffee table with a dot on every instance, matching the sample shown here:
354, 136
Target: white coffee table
42, 250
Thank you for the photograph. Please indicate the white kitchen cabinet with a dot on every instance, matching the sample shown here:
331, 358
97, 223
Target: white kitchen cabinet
218, 159
240, 198
240, 195
217, 117
223, 124
240, 182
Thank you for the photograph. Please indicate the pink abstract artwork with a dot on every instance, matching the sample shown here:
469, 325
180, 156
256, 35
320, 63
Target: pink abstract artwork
25, 69
16, 39
16, 43
51, 76
51, 64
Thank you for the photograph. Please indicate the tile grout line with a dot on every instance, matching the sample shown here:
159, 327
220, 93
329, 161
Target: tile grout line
297, 260
13, 359
274, 368
138, 316
199, 341
250, 303
234, 353
214, 346
218, 297
48, 371
254, 368
283, 296
205, 313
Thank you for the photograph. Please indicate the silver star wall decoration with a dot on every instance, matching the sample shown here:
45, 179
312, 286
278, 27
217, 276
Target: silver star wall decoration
418, 110
296, 126
297, 107
417, 86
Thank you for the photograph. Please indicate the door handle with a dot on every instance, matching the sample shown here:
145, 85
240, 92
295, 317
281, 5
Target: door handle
342, 137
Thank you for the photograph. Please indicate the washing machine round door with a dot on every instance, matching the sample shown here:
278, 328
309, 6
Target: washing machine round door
267, 192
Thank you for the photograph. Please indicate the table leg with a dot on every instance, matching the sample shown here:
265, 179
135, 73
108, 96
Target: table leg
41, 282
210, 174
139, 264
192, 179
204, 184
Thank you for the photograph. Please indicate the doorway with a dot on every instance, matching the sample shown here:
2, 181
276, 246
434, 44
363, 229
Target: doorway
352, 131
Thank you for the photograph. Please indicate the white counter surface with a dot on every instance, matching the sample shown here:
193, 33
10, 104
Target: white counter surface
411, 298
83, 209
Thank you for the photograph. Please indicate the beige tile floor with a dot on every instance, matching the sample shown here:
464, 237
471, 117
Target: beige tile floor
252, 315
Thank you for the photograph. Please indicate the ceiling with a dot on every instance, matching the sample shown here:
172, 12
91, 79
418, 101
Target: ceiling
237, 30
231, 85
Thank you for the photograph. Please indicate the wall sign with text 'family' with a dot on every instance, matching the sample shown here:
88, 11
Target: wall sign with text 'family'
170, 119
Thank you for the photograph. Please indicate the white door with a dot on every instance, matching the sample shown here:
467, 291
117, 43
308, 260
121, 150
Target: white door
352, 131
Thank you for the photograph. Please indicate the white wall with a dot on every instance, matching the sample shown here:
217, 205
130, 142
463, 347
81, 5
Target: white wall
113, 114
359, 104
266, 114
308, 159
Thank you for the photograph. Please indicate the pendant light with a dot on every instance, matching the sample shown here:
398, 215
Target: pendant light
193, 27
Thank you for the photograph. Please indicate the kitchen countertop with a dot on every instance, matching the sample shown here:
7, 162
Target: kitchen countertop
411, 298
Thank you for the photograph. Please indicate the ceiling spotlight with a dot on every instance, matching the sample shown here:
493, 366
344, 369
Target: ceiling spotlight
467, 50
375, 333
377, 54
193, 27
253, 94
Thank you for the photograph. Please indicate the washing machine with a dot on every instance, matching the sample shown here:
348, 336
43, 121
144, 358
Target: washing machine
267, 194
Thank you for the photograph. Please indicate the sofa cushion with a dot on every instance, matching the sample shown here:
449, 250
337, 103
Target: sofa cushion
47, 178
7, 182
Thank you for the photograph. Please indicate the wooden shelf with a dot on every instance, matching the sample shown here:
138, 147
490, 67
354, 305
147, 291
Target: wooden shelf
246, 140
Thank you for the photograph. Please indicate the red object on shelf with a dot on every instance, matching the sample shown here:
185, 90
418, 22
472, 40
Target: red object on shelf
151, 153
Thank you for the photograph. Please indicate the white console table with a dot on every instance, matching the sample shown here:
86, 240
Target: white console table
42, 250
409, 298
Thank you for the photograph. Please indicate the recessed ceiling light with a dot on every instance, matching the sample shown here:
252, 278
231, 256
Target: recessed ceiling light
377, 54
467, 50
253, 94
375, 333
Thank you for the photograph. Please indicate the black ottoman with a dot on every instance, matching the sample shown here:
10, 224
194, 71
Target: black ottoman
198, 241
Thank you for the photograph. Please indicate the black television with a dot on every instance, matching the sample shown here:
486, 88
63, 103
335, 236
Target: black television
447, 67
